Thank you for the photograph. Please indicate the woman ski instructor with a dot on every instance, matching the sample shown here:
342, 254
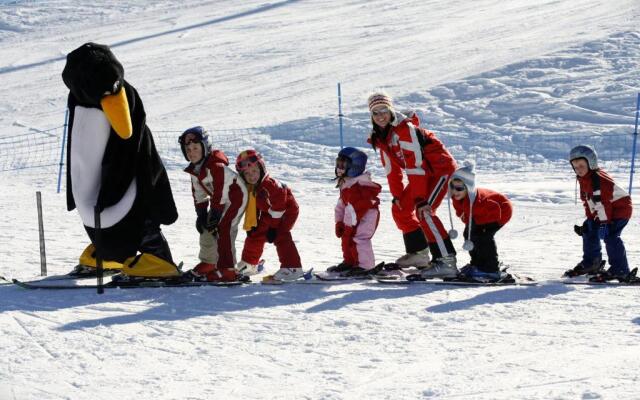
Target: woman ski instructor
407, 149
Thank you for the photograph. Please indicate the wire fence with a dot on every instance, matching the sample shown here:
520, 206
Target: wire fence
41, 152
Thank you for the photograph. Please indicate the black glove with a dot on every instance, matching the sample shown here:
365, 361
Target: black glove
578, 229
271, 235
213, 219
492, 227
483, 229
201, 221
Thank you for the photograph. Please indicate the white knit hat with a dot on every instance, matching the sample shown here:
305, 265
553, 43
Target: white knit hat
467, 175
380, 98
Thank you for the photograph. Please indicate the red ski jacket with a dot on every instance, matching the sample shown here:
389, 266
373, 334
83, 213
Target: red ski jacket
611, 202
276, 206
357, 196
488, 207
417, 152
211, 184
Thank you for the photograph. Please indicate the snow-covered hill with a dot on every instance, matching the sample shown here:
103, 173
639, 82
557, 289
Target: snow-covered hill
489, 77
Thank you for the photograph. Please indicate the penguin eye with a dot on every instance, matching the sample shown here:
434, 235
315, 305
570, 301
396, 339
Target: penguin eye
115, 89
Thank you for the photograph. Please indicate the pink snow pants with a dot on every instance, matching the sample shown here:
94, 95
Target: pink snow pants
356, 245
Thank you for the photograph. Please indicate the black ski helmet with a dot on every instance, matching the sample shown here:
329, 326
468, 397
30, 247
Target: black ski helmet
203, 138
356, 161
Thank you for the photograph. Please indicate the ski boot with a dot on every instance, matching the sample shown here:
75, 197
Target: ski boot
471, 273
608, 275
364, 273
582, 269
340, 268
288, 274
418, 259
443, 267
198, 273
247, 269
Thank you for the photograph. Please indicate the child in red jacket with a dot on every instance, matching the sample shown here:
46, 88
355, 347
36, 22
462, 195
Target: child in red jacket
483, 212
270, 215
608, 209
356, 213
220, 197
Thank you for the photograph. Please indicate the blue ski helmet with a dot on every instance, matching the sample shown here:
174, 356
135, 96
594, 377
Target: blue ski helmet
356, 161
586, 152
201, 135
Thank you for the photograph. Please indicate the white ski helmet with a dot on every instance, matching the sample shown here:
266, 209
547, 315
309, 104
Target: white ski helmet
587, 152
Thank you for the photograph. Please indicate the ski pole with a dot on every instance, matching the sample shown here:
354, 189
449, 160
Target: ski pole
340, 114
43, 254
633, 151
98, 237
452, 233
64, 137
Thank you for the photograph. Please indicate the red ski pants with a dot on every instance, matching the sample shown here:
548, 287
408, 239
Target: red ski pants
285, 247
405, 215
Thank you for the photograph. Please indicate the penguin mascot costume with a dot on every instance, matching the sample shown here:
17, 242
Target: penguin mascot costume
113, 164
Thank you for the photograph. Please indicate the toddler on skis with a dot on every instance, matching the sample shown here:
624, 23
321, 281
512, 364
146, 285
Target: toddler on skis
270, 215
483, 212
220, 197
356, 213
608, 209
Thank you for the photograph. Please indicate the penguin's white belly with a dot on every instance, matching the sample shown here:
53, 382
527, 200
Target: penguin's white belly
89, 138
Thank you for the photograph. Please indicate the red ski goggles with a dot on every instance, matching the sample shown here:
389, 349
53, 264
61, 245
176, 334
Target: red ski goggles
247, 162
190, 138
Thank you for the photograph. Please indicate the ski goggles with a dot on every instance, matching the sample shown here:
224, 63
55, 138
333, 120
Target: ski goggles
247, 162
380, 111
457, 188
190, 138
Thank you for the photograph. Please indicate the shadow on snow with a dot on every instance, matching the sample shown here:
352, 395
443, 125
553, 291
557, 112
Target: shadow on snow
506, 295
171, 304
214, 21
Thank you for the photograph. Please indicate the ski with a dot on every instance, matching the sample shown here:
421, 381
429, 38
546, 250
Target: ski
123, 284
346, 277
630, 280
308, 278
609, 283
63, 277
453, 282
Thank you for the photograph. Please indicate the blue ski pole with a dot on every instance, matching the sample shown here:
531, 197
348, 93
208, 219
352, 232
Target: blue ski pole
340, 114
633, 150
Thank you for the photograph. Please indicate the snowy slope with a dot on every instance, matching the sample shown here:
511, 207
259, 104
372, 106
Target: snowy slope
488, 71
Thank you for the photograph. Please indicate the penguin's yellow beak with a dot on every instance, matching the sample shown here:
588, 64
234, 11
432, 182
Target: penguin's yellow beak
116, 108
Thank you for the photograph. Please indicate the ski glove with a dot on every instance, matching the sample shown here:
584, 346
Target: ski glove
271, 235
339, 229
603, 231
213, 219
578, 229
201, 221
